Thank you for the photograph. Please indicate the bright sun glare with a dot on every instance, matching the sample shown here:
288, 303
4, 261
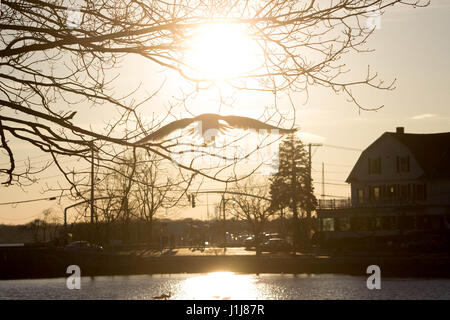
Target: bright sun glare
221, 51
220, 286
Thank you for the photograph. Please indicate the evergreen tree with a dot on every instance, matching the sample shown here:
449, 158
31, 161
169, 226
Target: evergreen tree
291, 187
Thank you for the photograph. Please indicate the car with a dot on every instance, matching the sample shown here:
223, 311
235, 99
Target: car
268, 236
249, 242
83, 246
276, 245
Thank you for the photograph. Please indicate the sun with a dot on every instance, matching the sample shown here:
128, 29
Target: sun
220, 51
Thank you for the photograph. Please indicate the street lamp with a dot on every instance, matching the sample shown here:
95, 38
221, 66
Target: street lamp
76, 204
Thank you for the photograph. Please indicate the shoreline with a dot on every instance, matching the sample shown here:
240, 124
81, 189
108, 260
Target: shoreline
52, 263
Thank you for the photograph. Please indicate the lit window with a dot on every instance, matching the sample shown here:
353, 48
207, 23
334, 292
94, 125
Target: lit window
378, 224
375, 193
360, 193
328, 224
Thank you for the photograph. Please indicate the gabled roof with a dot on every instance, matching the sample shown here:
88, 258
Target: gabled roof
432, 152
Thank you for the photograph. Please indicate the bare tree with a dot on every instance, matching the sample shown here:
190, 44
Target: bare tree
136, 191
46, 227
155, 189
252, 204
107, 210
56, 57
36, 226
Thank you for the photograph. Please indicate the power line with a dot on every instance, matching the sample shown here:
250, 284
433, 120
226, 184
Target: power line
333, 184
24, 165
335, 196
61, 175
37, 157
21, 219
334, 172
342, 147
338, 164
336, 181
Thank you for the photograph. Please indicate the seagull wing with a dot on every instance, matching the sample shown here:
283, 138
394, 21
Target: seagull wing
166, 130
249, 123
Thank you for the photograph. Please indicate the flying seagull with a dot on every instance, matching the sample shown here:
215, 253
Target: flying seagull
213, 122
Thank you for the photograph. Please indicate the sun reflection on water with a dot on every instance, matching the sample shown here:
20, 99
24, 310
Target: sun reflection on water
220, 286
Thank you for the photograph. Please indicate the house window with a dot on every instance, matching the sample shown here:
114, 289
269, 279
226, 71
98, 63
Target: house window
328, 224
390, 192
404, 191
359, 223
360, 194
375, 166
421, 192
375, 193
402, 164
388, 223
342, 224
373, 224
378, 223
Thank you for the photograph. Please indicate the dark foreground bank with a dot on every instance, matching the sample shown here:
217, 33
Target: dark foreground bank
16, 263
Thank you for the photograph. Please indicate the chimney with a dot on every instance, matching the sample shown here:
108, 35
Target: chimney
400, 130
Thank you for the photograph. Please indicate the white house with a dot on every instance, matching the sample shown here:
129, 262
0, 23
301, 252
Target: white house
402, 168
400, 185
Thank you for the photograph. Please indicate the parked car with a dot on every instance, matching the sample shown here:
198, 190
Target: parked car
268, 236
240, 240
83, 246
276, 245
249, 242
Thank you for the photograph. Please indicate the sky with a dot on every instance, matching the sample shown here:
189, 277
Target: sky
411, 45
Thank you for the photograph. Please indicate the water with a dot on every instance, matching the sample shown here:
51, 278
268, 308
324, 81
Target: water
223, 285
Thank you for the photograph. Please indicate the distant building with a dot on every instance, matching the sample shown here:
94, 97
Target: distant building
400, 186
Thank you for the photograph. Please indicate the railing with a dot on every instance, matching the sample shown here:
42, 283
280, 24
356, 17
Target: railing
334, 203
390, 202
347, 203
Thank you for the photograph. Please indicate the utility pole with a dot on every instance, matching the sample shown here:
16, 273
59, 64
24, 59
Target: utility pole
308, 213
92, 184
310, 145
223, 221
294, 202
207, 208
323, 181
92, 198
